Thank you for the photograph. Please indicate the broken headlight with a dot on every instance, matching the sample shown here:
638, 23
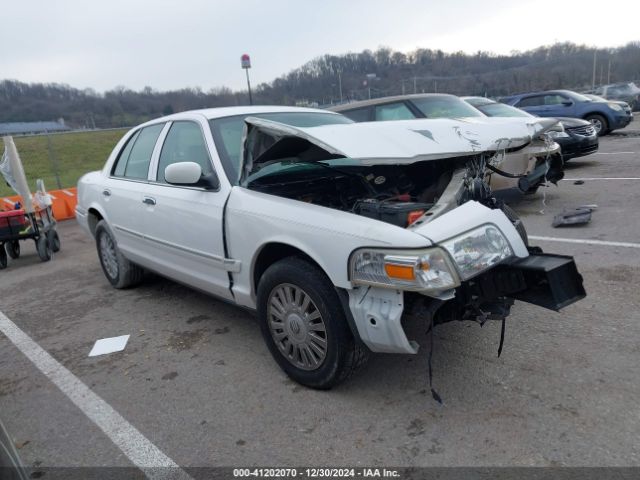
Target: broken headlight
422, 270
478, 250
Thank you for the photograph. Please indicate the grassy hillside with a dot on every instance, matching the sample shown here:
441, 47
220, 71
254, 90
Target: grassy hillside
76, 154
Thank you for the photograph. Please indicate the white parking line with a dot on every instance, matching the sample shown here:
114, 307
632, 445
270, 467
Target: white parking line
599, 178
611, 153
139, 449
586, 242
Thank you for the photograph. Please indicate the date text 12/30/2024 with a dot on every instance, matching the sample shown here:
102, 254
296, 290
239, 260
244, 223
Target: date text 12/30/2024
316, 472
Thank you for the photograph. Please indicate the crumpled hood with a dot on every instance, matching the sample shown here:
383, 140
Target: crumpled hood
397, 142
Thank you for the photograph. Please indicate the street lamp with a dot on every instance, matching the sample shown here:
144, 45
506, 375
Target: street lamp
245, 62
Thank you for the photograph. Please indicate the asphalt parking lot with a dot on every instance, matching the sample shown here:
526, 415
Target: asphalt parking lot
197, 381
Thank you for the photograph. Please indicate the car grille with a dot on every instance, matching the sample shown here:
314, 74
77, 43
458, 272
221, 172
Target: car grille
586, 130
589, 149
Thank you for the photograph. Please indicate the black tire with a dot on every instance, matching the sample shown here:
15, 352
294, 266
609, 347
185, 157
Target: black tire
126, 274
599, 123
44, 248
4, 261
54, 240
343, 355
13, 249
517, 223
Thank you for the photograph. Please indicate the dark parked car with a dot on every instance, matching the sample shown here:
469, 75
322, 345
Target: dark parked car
627, 92
578, 139
605, 116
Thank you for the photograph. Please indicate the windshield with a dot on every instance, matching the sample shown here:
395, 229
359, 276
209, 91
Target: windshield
502, 110
445, 107
227, 133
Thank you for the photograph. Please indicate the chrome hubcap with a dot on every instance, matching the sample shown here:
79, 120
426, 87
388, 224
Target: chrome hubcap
108, 255
297, 327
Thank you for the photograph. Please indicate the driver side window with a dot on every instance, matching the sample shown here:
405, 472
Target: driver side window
184, 143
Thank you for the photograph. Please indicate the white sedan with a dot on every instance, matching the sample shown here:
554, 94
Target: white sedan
333, 231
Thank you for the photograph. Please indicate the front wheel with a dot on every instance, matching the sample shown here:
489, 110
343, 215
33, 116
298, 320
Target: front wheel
43, 246
304, 325
3, 257
599, 123
120, 272
54, 240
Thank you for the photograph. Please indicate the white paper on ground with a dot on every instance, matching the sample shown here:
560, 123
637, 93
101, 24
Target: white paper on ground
109, 345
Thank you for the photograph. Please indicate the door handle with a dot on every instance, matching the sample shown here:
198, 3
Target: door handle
149, 200
106, 193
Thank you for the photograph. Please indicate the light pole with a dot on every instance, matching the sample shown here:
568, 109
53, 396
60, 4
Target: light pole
245, 62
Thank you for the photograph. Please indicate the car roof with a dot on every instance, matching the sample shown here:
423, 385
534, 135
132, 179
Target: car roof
382, 100
220, 112
484, 100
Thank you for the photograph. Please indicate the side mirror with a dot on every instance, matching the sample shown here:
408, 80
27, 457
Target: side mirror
190, 174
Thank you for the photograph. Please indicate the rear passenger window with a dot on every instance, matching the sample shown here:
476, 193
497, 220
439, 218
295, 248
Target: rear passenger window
136, 155
184, 143
531, 101
393, 111
358, 115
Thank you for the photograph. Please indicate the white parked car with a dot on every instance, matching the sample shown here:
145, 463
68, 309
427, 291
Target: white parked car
335, 232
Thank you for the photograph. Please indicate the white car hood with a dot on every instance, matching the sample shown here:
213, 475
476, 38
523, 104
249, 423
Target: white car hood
399, 142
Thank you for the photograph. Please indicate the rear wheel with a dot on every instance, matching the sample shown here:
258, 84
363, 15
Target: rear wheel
599, 123
120, 272
304, 325
13, 249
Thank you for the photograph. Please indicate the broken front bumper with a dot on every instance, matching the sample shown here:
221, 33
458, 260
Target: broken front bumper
549, 281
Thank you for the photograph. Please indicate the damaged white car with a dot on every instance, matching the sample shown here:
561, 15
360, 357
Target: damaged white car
334, 232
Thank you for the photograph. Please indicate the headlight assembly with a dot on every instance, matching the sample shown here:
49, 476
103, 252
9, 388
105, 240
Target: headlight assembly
478, 250
558, 134
615, 106
423, 270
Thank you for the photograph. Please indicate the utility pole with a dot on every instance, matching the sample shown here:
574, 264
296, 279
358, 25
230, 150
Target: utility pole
609, 71
415, 89
340, 82
593, 79
245, 62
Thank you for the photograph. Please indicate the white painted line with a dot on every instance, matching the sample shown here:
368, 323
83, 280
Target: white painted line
139, 449
599, 178
67, 192
586, 242
611, 153
6, 200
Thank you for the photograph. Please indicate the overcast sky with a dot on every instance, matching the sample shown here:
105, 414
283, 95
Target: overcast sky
175, 44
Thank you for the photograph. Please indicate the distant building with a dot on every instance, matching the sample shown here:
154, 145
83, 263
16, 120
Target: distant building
26, 128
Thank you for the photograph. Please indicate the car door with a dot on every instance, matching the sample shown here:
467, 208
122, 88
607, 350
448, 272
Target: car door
123, 191
184, 224
533, 104
558, 105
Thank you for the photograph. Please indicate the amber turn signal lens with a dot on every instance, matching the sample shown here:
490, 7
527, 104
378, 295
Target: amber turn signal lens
400, 272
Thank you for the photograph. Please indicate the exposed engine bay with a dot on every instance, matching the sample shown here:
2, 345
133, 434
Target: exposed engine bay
396, 194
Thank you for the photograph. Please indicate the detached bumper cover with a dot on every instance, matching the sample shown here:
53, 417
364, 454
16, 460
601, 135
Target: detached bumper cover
547, 280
